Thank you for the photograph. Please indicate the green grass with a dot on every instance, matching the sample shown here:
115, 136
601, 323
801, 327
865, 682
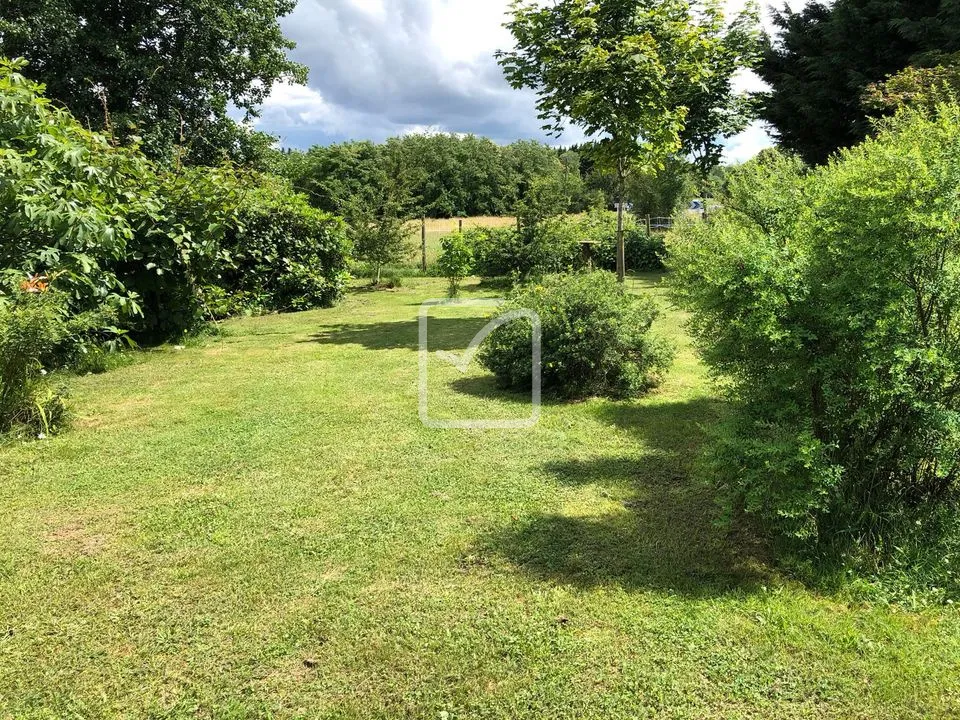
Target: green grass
259, 526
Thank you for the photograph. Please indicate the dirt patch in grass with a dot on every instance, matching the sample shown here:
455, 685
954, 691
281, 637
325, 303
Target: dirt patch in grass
74, 538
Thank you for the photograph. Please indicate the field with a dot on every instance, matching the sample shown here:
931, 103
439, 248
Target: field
438, 228
259, 526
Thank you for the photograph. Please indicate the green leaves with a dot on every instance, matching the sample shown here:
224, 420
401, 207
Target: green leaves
119, 231
631, 73
157, 72
455, 261
596, 338
828, 300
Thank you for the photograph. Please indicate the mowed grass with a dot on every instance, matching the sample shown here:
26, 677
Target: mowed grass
439, 228
260, 526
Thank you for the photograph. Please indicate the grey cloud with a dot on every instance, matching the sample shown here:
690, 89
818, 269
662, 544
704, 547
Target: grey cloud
382, 74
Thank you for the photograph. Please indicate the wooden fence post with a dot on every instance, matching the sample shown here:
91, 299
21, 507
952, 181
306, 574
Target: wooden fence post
423, 243
649, 230
461, 225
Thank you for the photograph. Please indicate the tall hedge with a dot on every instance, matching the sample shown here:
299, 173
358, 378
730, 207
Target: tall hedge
111, 228
831, 303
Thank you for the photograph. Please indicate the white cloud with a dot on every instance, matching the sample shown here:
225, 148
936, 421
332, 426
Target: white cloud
384, 67
747, 144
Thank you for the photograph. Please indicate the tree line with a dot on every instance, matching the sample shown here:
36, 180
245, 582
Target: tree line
439, 175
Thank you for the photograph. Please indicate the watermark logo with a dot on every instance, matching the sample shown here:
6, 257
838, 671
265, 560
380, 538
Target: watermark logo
462, 361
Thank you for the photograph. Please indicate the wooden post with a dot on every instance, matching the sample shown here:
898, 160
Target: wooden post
423, 243
649, 231
621, 245
461, 225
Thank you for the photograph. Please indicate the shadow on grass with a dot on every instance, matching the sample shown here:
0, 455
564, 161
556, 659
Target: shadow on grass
486, 387
442, 334
664, 538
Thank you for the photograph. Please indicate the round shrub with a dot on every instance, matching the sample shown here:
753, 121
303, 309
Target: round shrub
596, 338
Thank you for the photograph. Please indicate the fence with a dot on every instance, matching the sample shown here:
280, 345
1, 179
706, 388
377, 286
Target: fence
661, 223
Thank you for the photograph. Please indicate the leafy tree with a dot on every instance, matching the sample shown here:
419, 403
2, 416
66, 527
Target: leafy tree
715, 111
161, 70
449, 175
378, 214
916, 87
455, 261
824, 57
620, 69
660, 192
331, 175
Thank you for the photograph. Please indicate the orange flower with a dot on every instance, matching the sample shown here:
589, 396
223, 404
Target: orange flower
35, 284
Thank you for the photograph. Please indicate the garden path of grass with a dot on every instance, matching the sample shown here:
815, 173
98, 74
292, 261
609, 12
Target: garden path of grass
259, 526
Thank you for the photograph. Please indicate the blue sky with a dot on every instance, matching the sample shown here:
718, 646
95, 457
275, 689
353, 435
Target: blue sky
380, 68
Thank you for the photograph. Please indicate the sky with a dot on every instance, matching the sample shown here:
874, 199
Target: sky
381, 68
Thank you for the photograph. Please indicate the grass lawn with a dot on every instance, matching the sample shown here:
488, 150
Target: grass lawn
260, 526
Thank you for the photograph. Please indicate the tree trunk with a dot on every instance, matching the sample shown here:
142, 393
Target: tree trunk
621, 248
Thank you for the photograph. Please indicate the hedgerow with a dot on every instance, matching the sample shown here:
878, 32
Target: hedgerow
828, 300
561, 244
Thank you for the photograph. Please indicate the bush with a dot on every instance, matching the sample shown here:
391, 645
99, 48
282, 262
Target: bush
496, 251
65, 196
831, 307
456, 260
550, 246
556, 245
121, 233
32, 326
596, 338
177, 247
283, 252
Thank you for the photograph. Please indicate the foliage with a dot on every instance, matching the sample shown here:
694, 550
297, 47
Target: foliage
447, 175
716, 111
496, 252
659, 193
64, 196
824, 57
832, 315
624, 71
580, 56
562, 244
120, 233
31, 326
645, 252
165, 72
37, 332
596, 338
176, 248
505, 252
283, 252
917, 87
456, 260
